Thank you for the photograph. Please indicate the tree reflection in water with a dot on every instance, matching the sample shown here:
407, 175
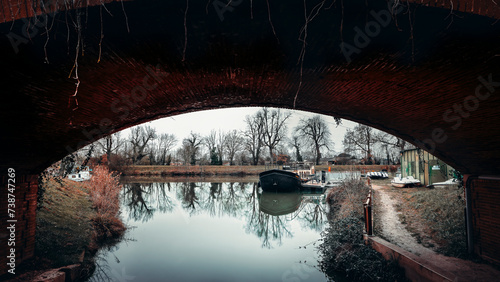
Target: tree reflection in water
141, 200
214, 196
313, 214
267, 226
188, 195
238, 200
232, 204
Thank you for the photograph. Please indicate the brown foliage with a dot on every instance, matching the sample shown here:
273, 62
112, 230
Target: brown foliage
104, 188
106, 227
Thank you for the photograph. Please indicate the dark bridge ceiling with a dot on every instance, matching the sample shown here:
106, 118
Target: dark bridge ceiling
422, 75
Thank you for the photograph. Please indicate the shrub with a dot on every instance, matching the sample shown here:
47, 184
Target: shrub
343, 249
106, 227
348, 198
104, 189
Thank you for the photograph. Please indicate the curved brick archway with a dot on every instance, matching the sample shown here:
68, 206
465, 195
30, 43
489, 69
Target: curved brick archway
424, 79
430, 74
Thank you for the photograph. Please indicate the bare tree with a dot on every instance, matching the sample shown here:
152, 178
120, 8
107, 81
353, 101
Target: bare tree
110, 144
233, 143
393, 145
253, 135
190, 147
211, 140
160, 147
139, 140
221, 141
296, 144
361, 138
315, 133
215, 143
274, 128
393, 141
182, 154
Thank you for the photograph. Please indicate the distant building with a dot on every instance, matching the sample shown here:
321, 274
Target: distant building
343, 159
425, 167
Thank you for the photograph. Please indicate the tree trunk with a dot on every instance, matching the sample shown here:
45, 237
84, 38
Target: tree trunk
318, 156
256, 160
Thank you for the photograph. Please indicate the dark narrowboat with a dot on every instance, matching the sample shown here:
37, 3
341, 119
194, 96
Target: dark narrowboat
276, 180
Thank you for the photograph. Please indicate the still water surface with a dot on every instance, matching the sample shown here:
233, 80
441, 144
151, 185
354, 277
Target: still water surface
207, 231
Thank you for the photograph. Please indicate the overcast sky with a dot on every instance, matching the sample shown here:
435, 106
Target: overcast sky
203, 122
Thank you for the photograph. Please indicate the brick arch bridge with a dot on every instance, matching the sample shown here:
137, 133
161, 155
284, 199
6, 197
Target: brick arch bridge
428, 72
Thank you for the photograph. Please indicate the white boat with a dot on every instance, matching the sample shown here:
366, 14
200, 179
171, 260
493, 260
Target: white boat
82, 174
407, 181
305, 170
377, 174
451, 181
314, 185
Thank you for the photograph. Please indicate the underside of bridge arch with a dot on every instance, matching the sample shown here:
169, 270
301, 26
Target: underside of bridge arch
428, 72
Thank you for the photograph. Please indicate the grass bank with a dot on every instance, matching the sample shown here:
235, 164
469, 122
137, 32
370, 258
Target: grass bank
214, 170
75, 219
343, 249
435, 217
194, 170
64, 226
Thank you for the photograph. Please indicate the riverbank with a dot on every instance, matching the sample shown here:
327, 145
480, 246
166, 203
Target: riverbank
63, 231
434, 217
343, 249
235, 170
74, 220
426, 226
187, 178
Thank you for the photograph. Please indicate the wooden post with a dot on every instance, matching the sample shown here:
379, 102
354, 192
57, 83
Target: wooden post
368, 215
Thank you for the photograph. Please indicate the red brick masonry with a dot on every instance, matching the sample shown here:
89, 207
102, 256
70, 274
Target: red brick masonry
25, 214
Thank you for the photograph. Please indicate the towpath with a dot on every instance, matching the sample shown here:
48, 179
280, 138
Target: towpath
395, 232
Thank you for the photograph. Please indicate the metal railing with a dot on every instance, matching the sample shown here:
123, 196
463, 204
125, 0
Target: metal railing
368, 212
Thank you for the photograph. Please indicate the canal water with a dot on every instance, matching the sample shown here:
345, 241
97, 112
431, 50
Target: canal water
210, 231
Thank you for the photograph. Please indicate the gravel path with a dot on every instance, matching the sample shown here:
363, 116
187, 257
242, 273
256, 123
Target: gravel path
391, 227
395, 232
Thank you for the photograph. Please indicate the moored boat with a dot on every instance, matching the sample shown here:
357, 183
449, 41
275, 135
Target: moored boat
316, 186
305, 170
276, 180
449, 182
377, 174
408, 181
